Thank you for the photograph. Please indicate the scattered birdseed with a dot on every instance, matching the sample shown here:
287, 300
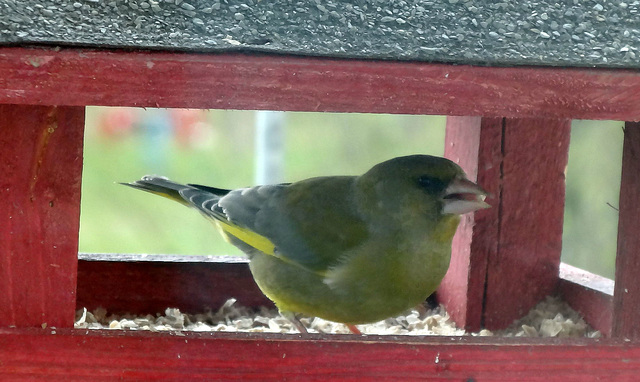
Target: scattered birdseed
550, 318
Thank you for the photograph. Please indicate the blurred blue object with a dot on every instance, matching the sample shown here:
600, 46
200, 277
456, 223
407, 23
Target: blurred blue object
157, 128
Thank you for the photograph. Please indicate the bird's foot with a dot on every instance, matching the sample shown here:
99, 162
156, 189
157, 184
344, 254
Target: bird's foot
294, 321
303, 330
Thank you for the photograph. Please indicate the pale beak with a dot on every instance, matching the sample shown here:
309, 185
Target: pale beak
463, 196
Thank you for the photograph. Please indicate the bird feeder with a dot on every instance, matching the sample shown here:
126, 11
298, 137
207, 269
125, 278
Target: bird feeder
509, 107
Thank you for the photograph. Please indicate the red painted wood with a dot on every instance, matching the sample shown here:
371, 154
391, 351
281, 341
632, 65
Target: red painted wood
626, 301
475, 144
589, 294
525, 267
508, 260
242, 81
41, 167
127, 355
142, 284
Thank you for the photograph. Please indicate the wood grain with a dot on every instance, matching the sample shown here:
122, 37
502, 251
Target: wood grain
148, 284
525, 267
475, 144
79, 77
126, 355
41, 167
626, 298
507, 260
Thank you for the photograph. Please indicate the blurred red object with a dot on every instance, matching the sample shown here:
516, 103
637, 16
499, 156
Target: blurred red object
117, 122
188, 125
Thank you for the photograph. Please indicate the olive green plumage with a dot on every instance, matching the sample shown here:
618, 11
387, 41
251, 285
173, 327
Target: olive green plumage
348, 249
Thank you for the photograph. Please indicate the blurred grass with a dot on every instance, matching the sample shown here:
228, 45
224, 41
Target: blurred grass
115, 218
593, 188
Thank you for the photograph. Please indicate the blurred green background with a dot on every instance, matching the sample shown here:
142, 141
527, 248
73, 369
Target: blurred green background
216, 147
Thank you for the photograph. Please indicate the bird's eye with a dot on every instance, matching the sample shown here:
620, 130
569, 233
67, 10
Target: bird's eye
425, 181
430, 183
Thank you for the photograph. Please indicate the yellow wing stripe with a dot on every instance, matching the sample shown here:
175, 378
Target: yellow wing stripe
258, 242
251, 238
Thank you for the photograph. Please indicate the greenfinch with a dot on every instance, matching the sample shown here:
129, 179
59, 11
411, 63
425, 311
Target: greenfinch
349, 249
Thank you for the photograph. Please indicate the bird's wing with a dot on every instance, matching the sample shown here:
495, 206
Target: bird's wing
310, 223
206, 200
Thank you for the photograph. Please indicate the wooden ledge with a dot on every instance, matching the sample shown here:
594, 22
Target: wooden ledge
591, 295
71, 353
142, 284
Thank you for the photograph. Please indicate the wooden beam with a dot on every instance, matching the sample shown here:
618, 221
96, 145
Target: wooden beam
476, 145
41, 167
79, 77
589, 294
526, 265
148, 284
128, 355
626, 299
507, 260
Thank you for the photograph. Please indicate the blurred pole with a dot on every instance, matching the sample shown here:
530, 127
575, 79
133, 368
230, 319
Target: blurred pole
269, 147
158, 132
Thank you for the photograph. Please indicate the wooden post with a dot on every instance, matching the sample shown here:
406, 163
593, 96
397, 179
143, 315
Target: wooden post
41, 167
626, 297
515, 246
526, 267
472, 142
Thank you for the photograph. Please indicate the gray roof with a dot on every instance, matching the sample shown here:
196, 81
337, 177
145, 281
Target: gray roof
586, 33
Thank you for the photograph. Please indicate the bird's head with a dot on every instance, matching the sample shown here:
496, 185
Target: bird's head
421, 185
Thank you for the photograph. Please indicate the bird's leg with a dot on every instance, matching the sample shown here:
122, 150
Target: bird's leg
294, 321
303, 330
422, 310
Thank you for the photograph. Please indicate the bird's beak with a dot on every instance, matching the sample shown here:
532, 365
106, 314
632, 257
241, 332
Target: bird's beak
463, 196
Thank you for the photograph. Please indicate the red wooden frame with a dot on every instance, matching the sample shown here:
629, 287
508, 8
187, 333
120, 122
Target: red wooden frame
626, 302
516, 234
589, 294
131, 284
506, 259
41, 166
126, 355
233, 81
470, 141
151, 283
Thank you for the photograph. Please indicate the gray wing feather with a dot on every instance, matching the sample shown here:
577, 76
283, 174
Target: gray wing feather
256, 208
259, 209
203, 201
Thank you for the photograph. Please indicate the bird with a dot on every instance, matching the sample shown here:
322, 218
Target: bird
348, 249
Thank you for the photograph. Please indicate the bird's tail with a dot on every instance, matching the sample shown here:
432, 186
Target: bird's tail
205, 199
181, 193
